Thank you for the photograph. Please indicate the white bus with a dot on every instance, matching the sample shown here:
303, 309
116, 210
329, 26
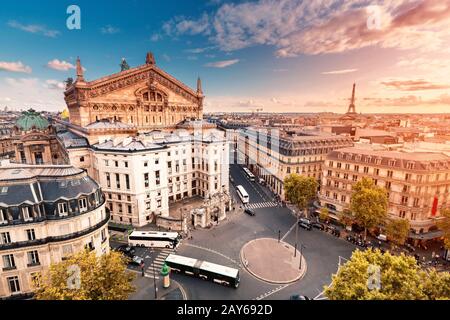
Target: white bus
204, 270
242, 194
249, 174
153, 239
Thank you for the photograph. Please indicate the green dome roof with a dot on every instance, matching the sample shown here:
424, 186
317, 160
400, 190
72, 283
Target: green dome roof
30, 119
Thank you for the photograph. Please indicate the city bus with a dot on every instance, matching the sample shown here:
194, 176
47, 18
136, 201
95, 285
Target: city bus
242, 194
153, 239
204, 270
249, 174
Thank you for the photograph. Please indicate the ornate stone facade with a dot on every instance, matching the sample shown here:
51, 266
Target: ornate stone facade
145, 97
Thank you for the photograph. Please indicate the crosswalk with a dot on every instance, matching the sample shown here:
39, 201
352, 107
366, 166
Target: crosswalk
259, 205
154, 269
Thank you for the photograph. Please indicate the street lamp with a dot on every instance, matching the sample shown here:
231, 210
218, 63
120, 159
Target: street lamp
301, 255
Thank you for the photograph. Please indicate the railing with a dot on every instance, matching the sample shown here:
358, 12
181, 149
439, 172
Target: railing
52, 239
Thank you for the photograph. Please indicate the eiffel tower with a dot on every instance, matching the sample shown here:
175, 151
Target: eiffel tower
351, 107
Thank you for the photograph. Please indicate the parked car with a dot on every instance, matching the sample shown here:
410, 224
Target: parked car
250, 212
304, 225
410, 248
126, 250
318, 226
137, 260
304, 220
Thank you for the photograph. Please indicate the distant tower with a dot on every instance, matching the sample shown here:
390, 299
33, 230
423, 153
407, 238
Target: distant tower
351, 107
80, 75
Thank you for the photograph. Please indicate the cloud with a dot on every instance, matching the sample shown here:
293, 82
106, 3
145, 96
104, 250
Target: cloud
414, 85
155, 37
33, 92
166, 57
408, 101
198, 50
55, 84
34, 28
181, 25
14, 67
222, 64
60, 65
109, 30
295, 27
343, 71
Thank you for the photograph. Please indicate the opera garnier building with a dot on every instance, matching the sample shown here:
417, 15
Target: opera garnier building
47, 212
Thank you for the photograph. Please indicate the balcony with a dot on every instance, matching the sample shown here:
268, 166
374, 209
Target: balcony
53, 239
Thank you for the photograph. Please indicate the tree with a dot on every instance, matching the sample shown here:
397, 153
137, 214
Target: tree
368, 204
444, 225
84, 276
346, 218
372, 275
397, 230
324, 214
300, 190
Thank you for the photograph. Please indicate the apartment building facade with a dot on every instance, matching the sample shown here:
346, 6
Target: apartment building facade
418, 184
274, 153
46, 214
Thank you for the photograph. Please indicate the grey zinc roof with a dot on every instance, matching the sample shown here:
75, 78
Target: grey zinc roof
32, 184
71, 140
108, 125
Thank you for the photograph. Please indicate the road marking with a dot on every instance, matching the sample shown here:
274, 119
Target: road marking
289, 231
259, 205
271, 292
214, 251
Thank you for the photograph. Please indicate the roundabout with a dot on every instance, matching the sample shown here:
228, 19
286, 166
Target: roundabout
272, 261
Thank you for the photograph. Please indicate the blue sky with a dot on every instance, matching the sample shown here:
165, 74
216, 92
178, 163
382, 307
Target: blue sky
280, 55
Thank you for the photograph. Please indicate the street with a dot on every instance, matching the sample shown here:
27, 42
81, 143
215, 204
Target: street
222, 244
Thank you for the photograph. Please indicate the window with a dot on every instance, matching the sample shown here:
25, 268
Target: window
33, 258
118, 181
106, 163
116, 163
146, 180
62, 209
82, 203
8, 262
129, 209
366, 169
159, 204
157, 176
3, 217
27, 215
127, 181
156, 161
5, 238
66, 250
146, 164
390, 173
31, 235
108, 180
120, 207
356, 168
126, 164
81, 159
103, 234
13, 283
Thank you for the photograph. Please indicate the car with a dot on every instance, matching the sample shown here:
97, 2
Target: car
298, 297
137, 260
306, 226
126, 250
410, 248
250, 212
261, 181
304, 220
318, 226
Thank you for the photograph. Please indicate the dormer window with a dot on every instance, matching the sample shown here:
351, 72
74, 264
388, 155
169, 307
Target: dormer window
410, 165
391, 163
82, 203
27, 214
63, 209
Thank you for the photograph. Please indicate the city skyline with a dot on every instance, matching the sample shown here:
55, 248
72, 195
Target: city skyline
282, 56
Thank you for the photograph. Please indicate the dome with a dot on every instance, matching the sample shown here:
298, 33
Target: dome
31, 119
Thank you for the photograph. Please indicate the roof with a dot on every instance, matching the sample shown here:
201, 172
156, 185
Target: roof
72, 140
33, 184
421, 160
31, 119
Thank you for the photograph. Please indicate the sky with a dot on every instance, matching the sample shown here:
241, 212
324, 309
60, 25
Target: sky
275, 55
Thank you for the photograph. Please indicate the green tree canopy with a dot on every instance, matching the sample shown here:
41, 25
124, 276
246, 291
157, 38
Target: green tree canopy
368, 204
324, 214
444, 225
399, 278
84, 276
300, 190
397, 230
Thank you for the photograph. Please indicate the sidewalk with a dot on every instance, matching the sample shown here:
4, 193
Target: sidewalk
145, 289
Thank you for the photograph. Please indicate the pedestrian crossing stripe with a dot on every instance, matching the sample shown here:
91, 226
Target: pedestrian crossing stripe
259, 205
